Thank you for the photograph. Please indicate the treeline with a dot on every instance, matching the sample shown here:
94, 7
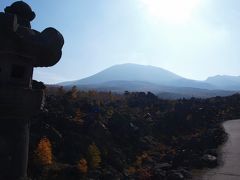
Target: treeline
102, 135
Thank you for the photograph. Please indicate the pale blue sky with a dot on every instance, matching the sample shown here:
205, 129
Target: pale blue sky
193, 38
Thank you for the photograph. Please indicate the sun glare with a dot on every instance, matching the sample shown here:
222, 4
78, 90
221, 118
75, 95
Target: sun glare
171, 11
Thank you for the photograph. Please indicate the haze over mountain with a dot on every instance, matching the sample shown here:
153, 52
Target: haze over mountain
134, 77
225, 82
135, 72
130, 72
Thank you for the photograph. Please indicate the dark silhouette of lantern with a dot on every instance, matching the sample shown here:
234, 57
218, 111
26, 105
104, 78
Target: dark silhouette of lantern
21, 49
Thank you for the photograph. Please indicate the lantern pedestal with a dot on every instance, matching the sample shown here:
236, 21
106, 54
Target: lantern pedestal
17, 106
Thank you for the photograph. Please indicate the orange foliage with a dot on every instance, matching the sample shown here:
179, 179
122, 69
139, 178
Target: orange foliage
82, 166
43, 153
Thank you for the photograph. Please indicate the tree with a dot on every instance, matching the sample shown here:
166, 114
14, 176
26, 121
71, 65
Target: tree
78, 116
74, 92
43, 152
82, 166
60, 91
94, 156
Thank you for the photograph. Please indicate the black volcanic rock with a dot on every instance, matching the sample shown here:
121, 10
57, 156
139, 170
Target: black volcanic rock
181, 135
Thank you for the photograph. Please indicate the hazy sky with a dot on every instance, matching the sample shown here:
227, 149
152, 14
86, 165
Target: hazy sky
193, 38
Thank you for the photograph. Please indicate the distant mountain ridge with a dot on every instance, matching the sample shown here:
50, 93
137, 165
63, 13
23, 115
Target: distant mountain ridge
135, 72
134, 77
225, 82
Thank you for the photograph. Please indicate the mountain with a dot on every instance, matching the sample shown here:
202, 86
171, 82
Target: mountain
130, 72
134, 77
139, 73
225, 82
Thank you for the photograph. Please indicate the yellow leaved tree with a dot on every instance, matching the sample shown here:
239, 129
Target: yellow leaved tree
94, 156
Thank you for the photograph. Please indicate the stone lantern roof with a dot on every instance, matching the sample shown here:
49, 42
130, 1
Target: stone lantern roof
16, 36
23, 48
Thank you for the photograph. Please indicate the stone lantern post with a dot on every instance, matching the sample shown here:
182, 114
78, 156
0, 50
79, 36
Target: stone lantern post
21, 49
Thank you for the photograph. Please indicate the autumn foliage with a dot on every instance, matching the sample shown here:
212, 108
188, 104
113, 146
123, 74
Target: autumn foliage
101, 134
144, 174
43, 152
79, 117
94, 156
82, 166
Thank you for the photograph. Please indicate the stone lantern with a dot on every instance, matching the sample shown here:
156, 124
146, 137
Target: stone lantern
21, 49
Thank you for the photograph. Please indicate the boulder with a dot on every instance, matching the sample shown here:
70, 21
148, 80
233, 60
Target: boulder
111, 174
175, 175
159, 173
209, 160
147, 142
187, 174
163, 166
212, 152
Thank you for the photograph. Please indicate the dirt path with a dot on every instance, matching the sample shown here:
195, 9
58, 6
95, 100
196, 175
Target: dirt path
230, 167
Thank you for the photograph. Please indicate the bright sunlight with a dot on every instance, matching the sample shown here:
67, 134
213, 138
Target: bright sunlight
171, 11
